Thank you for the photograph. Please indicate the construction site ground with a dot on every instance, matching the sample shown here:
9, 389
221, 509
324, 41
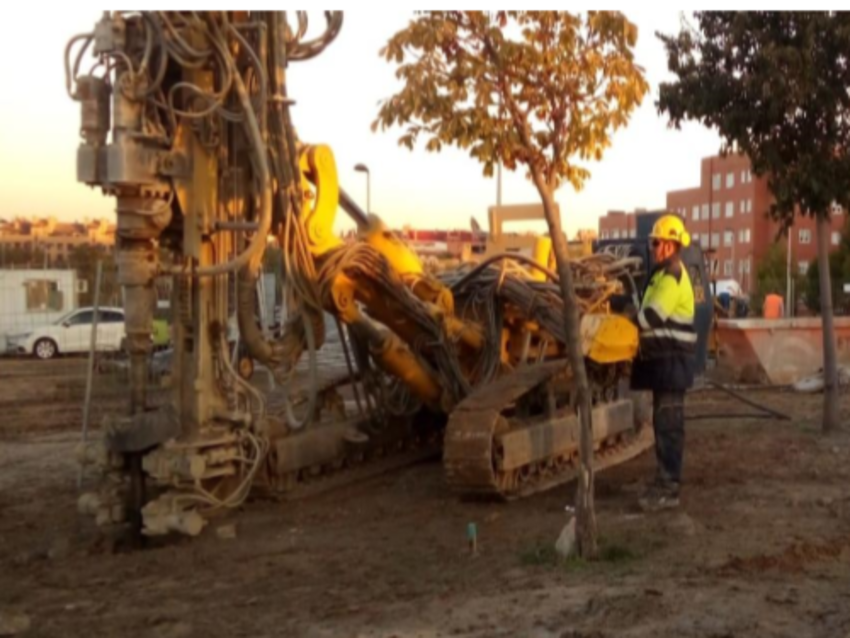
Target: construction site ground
760, 546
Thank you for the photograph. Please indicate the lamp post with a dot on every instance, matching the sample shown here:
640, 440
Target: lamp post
362, 168
789, 282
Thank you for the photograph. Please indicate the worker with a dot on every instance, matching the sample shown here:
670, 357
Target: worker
666, 361
773, 306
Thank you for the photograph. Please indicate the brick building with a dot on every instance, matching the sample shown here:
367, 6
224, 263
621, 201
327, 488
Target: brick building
727, 212
617, 224
56, 239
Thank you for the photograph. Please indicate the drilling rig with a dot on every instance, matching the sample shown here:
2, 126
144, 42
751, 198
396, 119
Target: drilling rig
187, 123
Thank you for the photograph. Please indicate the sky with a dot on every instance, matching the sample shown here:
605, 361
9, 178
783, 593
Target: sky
337, 96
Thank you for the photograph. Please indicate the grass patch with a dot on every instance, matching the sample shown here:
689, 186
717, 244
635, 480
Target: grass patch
539, 554
616, 554
543, 554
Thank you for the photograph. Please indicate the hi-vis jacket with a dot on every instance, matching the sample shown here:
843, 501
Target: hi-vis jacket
668, 340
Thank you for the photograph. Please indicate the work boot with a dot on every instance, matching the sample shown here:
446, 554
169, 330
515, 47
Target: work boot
660, 496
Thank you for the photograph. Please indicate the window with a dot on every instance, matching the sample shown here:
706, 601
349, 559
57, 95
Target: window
730, 180
715, 182
43, 295
603, 234
728, 237
804, 267
715, 210
705, 211
110, 316
695, 237
740, 267
836, 238
747, 265
730, 209
747, 236
728, 268
715, 240
81, 318
695, 213
741, 236
743, 177
749, 206
616, 234
632, 233
805, 236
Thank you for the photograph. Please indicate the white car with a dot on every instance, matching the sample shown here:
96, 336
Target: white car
730, 286
72, 333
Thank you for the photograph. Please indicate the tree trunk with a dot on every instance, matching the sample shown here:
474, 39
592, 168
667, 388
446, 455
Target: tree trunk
585, 513
830, 367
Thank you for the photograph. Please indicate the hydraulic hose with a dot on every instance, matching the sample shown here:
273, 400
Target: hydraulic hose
252, 255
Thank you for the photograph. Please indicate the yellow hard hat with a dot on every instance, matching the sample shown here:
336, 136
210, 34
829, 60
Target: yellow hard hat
671, 228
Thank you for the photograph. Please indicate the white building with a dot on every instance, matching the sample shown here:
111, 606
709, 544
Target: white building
33, 298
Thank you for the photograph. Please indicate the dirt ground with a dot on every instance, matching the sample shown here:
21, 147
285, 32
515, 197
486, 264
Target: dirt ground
760, 547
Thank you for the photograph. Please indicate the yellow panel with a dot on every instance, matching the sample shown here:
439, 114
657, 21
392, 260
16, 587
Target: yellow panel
393, 355
543, 256
609, 338
319, 208
402, 259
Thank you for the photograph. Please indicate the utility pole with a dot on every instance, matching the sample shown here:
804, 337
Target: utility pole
789, 285
499, 167
499, 184
712, 250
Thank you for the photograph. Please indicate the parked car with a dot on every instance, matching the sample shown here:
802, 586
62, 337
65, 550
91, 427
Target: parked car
72, 333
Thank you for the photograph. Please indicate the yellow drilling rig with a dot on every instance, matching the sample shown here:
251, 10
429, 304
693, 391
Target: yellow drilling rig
186, 122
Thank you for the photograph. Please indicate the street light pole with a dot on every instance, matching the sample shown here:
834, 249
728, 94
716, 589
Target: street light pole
362, 168
789, 285
499, 183
499, 166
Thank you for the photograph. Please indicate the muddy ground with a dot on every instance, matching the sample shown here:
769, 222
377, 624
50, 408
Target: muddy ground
760, 547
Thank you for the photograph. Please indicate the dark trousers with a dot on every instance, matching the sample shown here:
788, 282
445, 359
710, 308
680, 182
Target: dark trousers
668, 421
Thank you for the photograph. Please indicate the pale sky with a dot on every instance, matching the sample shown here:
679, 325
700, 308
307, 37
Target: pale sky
336, 98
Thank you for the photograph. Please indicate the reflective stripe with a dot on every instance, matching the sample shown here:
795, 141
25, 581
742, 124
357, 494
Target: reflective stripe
643, 322
681, 318
659, 310
653, 316
668, 333
662, 294
687, 326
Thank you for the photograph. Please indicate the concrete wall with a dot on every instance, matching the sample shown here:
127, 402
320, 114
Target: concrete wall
776, 351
